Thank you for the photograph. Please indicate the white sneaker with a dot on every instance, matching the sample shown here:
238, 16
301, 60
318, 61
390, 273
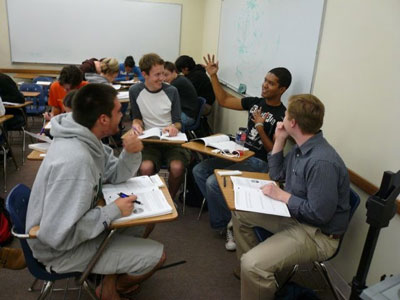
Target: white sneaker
230, 244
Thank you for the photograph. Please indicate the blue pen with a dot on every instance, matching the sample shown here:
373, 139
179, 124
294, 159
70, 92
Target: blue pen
122, 195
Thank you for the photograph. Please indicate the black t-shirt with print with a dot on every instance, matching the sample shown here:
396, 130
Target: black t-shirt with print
274, 115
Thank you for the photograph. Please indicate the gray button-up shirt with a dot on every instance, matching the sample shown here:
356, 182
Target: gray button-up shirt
318, 181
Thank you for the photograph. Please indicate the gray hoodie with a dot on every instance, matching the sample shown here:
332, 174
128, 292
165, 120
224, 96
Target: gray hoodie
64, 194
96, 78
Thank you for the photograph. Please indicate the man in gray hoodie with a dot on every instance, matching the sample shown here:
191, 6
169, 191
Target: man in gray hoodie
65, 194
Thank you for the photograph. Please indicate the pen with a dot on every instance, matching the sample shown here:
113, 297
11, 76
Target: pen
41, 130
224, 181
135, 130
122, 195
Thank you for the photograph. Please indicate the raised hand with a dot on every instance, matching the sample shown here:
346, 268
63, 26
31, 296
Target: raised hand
258, 117
211, 66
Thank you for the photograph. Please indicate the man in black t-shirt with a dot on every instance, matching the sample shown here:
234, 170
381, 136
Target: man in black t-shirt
264, 113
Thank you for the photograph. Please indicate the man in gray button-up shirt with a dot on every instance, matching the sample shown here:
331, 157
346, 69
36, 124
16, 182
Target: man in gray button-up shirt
316, 192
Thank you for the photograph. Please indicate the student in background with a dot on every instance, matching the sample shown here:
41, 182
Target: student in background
156, 104
187, 94
70, 79
68, 100
9, 92
128, 70
317, 188
91, 65
197, 75
72, 224
109, 68
263, 115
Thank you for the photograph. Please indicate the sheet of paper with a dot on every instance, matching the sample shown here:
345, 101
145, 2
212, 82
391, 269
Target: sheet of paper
179, 137
41, 147
123, 95
153, 202
116, 86
156, 180
152, 132
40, 137
43, 82
249, 197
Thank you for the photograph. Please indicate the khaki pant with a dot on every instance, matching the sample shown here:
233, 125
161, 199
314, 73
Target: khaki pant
292, 243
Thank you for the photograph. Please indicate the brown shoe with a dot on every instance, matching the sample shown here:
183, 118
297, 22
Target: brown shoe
12, 258
236, 272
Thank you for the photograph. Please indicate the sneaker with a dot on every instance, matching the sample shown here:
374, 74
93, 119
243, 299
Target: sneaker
230, 244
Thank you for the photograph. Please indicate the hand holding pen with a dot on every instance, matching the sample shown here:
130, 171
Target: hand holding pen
137, 129
125, 204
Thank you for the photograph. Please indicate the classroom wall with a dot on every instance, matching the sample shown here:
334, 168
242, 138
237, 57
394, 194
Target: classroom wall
191, 33
357, 73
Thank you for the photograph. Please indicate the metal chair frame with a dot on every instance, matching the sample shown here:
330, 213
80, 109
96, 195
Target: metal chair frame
262, 234
17, 205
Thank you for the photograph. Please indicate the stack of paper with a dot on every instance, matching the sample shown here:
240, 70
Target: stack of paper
249, 197
152, 200
41, 147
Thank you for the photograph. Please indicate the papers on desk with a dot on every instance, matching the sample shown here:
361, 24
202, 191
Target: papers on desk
153, 201
116, 86
126, 81
40, 137
123, 95
156, 133
11, 103
249, 197
221, 142
43, 82
41, 147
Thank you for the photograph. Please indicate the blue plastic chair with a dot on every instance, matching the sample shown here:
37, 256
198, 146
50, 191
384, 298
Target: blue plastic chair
190, 129
46, 88
17, 205
262, 234
38, 106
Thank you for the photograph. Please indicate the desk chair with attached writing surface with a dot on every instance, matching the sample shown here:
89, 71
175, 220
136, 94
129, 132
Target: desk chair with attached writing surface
17, 205
262, 234
46, 88
38, 107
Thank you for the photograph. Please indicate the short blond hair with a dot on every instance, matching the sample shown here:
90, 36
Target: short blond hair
308, 111
109, 66
148, 61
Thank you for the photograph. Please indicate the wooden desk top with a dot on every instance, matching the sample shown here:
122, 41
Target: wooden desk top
30, 94
36, 155
5, 118
227, 191
200, 147
21, 105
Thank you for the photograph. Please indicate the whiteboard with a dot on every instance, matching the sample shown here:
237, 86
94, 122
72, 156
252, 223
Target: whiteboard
258, 35
68, 32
